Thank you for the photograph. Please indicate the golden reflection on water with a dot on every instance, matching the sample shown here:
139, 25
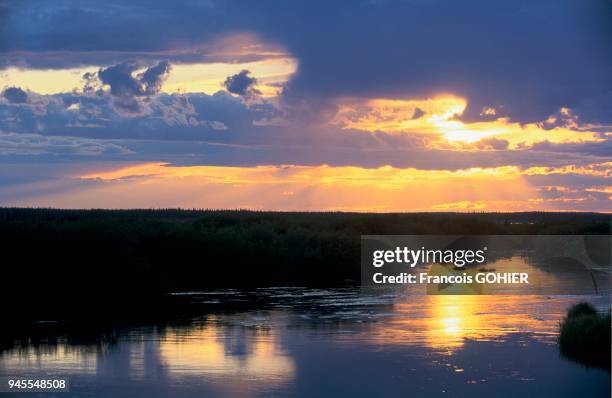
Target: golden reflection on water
451, 314
233, 359
209, 349
445, 322
48, 358
243, 354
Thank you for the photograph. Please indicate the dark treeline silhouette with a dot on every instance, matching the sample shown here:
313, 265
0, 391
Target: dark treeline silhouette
117, 258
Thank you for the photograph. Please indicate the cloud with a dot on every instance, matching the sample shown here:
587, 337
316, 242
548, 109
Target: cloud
596, 109
152, 78
88, 32
128, 89
222, 129
91, 83
418, 113
173, 117
15, 95
12, 144
242, 84
526, 60
300, 188
178, 111
512, 56
443, 128
492, 143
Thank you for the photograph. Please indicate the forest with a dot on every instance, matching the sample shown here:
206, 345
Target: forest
104, 258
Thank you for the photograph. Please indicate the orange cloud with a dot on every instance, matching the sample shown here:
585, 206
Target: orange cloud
438, 117
309, 188
603, 169
298, 188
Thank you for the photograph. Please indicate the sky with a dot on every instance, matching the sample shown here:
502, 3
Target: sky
360, 105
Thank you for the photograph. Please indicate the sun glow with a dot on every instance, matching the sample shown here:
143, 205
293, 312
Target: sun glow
45, 81
438, 118
201, 69
292, 187
271, 74
316, 188
445, 322
206, 78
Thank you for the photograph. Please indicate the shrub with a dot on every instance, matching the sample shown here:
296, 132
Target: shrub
585, 336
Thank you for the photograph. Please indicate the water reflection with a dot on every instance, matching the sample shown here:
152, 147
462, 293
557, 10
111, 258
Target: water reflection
445, 322
326, 342
48, 358
251, 357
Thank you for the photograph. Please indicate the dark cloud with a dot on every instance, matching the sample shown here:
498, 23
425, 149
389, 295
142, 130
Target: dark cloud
91, 83
91, 32
418, 113
127, 89
524, 58
242, 84
15, 95
110, 26
596, 109
122, 82
152, 78
602, 148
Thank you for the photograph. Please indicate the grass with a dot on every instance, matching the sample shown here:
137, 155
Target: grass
585, 336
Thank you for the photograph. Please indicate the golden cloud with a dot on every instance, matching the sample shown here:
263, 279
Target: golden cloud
439, 117
319, 188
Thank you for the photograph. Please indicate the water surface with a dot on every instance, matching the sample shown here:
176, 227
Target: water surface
315, 342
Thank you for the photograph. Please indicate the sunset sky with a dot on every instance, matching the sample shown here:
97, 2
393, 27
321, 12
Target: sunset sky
361, 105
